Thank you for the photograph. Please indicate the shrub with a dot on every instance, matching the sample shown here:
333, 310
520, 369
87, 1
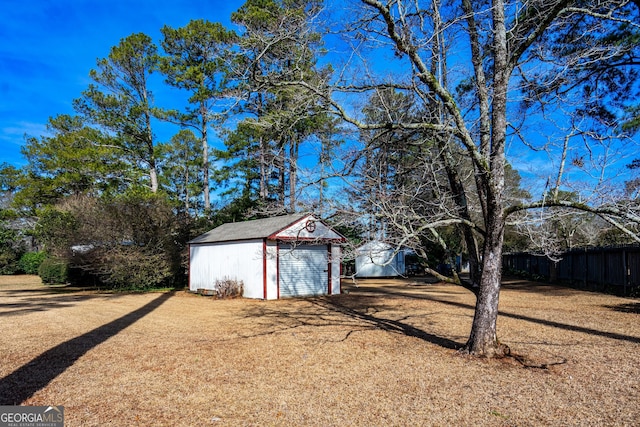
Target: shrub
10, 250
129, 267
53, 271
8, 263
56, 230
228, 288
30, 262
130, 241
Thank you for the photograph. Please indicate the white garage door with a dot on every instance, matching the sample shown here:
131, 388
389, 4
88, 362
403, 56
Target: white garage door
304, 270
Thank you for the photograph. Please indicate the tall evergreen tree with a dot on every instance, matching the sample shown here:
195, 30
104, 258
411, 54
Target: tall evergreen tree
75, 159
196, 61
277, 45
182, 171
121, 103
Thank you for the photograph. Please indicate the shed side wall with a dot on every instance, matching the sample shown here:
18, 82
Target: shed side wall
228, 260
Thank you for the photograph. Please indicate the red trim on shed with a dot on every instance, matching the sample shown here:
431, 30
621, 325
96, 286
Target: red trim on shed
329, 262
278, 270
264, 268
306, 239
273, 236
340, 277
189, 267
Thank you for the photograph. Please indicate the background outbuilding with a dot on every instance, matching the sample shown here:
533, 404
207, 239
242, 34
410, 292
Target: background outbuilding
286, 256
380, 259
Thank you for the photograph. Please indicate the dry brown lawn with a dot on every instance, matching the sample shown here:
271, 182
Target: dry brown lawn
383, 354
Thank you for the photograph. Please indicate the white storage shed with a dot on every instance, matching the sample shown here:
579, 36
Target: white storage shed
286, 256
379, 259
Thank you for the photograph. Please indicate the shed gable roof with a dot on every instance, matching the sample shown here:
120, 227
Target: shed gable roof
275, 227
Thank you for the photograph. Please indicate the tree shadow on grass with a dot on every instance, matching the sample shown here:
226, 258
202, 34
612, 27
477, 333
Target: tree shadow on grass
397, 292
16, 301
539, 288
391, 325
25, 381
351, 312
631, 307
43, 301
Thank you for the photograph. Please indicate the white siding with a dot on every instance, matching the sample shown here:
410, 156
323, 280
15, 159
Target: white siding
379, 262
336, 260
303, 270
272, 270
233, 260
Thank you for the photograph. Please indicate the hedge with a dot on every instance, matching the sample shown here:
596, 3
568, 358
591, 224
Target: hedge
53, 271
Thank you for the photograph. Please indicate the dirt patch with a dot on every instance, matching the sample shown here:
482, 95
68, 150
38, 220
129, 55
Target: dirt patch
383, 354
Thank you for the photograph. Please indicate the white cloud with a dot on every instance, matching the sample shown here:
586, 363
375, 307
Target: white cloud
14, 134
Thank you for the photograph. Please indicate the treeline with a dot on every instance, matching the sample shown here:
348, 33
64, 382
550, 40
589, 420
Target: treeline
103, 194
402, 132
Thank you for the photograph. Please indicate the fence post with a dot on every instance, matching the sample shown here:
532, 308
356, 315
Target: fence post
570, 268
625, 267
586, 269
603, 270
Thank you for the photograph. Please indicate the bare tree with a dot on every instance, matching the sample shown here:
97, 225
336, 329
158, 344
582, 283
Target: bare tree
471, 69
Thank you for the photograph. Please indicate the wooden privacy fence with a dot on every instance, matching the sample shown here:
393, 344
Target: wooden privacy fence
613, 269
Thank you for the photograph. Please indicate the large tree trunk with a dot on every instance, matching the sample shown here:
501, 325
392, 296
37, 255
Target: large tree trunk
153, 168
186, 184
293, 174
153, 176
264, 170
205, 158
281, 180
483, 339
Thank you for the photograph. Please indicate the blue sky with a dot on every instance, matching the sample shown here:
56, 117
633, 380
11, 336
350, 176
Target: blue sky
47, 48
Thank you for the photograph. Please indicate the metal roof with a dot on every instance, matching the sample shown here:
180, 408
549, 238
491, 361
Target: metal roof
247, 230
